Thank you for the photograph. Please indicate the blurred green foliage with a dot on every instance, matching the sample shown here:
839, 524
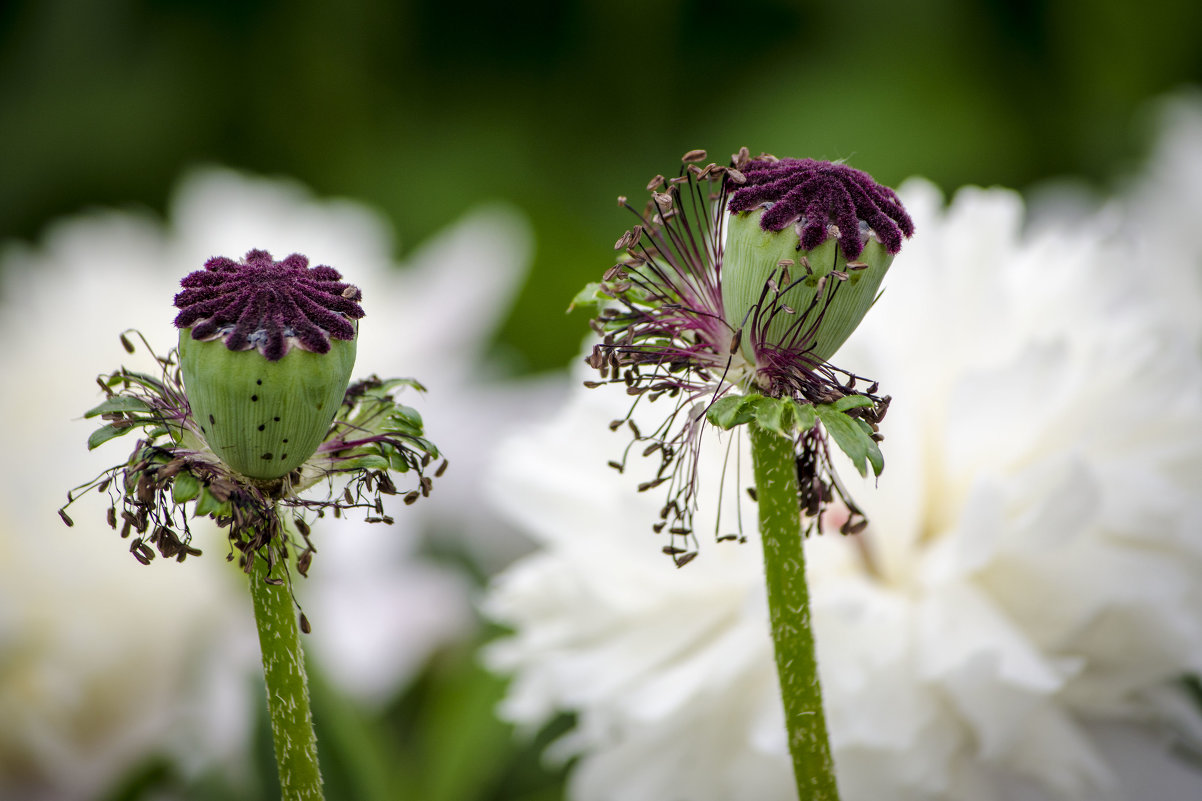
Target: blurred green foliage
425, 108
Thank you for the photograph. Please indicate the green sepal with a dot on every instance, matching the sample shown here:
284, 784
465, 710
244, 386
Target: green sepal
404, 420
367, 461
775, 415
854, 438
184, 487
850, 402
103, 435
396, 458
804, 415
207, 505
118, 403
589, 300
732, 410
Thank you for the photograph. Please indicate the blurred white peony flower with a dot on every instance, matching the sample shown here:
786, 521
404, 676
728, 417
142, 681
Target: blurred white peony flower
1161, 203
1012, 625
104, 662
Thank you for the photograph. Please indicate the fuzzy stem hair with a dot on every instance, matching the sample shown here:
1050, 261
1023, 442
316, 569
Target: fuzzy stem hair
789, 612
292, 729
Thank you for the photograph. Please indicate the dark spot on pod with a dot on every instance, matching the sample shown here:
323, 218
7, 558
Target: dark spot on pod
212, 421
266, 457
276, 419
283, 456
262, 426
285, 442
259, 381
203, 430
254, 397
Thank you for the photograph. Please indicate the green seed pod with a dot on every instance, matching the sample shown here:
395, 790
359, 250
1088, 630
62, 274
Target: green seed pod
264, 418
266, 352
808, 243
755, 255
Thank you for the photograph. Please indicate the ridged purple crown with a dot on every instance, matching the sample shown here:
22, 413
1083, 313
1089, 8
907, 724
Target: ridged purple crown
260, 303
817, 193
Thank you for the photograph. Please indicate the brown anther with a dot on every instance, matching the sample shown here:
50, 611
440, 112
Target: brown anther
655, 183
693, 156
681, 561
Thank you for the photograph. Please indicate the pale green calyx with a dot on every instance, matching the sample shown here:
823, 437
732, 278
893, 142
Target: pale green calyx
264, 418
796, 317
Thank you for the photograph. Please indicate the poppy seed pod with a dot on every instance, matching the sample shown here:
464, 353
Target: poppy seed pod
825, 235
266, 351
735, 287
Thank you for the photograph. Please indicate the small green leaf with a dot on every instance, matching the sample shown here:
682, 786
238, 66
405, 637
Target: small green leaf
408, 419
391, 383
875, 457
103, 435
184, 487
397, 460
804, 415
206, 505
367, 461
775, 415
851, 402
589, 300
732, 410
118, 403
850, 438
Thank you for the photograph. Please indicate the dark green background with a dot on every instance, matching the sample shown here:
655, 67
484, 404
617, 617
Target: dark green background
425, 108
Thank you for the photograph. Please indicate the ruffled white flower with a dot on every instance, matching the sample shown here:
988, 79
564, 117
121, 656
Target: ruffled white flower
104, 662
1016, 619
1161, 204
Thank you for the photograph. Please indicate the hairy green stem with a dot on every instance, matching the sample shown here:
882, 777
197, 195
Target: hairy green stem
287, 685
789, 610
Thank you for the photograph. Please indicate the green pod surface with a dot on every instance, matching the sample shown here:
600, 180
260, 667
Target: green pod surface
753, 255
264, 418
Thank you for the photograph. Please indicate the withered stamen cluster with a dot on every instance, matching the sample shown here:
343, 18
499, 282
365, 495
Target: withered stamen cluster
666, 332
170, 468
